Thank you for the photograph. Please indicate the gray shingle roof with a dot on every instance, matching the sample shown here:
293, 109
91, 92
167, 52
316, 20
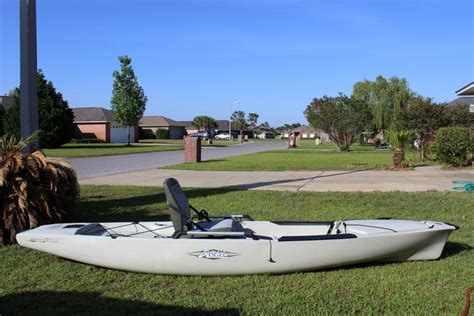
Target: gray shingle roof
158, 121
462, 100
6, 102
92, 114
303, 129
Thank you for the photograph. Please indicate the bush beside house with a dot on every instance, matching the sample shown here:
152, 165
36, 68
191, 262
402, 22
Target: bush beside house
453, 146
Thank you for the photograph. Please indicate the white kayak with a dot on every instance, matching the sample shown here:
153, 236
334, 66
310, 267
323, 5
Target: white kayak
236, 245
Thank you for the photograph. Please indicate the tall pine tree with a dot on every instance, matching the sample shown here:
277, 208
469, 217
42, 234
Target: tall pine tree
128, 99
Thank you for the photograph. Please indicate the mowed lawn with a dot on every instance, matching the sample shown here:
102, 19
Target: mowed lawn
307, 156
33, 282
106, 149
215, 142
94, 150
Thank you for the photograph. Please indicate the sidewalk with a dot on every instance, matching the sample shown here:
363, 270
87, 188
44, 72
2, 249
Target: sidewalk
420, 179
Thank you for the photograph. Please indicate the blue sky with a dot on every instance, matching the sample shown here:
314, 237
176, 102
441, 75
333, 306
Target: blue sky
198, 57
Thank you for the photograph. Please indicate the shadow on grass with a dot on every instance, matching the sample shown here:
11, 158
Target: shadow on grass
67, 303
249, 186
454, 248
152, 207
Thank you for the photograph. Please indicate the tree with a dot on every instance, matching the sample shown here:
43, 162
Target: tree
384, 97
287, 127
204, 122
425, 118
398, 140
55, 117
128, 99
252, 119
2, 119
240, 123
459, 115
342, 118
265, 125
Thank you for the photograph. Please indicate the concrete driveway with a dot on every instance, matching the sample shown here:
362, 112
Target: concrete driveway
420, 179
107, 165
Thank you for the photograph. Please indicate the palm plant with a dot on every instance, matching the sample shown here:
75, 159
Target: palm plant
398, 140
33, 191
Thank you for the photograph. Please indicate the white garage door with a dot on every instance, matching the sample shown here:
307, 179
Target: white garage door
119, 134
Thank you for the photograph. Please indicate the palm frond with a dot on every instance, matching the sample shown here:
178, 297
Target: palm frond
398, 139
33, 190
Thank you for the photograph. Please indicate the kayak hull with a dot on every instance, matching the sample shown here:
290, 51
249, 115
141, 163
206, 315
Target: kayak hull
291, 248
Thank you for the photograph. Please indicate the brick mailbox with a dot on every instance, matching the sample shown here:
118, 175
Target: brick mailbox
192, 149
292, 141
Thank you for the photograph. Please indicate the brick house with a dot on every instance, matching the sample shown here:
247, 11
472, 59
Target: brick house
150, 124
99, 123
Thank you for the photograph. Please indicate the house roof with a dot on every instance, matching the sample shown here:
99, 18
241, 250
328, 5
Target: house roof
467, 89
6, 102
158, 120
303, 129
463, 101
92, 114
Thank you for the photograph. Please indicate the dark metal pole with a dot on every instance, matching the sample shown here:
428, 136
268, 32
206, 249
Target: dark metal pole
28, 70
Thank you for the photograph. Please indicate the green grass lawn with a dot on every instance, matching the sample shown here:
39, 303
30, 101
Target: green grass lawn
94, 150
179, 142
294, 159
307, 156
33, 282
145, 146
310, 144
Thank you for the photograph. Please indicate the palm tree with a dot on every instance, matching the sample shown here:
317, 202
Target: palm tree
204, 122
33, 191
207, 123
398, 140
240, 122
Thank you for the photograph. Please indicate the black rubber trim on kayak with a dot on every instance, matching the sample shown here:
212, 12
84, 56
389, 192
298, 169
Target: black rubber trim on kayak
74, 226
300, 223
317, 237
456, 227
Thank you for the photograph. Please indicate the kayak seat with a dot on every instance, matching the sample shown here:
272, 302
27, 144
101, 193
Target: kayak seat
181, 216
178, 206
224, 225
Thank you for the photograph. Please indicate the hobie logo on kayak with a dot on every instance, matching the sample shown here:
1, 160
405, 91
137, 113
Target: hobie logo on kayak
214, 254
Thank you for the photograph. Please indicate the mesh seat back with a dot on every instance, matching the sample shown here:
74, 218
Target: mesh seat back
177, 203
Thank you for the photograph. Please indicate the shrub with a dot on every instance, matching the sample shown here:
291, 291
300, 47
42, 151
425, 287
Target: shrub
162, 134
33, 191
453, 146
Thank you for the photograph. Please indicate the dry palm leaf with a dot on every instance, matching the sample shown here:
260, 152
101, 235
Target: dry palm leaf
33, 190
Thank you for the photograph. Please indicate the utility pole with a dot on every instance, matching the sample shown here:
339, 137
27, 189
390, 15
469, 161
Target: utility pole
28, 70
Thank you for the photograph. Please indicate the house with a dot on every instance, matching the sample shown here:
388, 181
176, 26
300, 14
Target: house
466, 96
99, 123
265, 133
150, 124
308, 132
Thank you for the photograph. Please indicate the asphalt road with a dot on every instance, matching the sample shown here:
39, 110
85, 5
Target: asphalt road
107, 165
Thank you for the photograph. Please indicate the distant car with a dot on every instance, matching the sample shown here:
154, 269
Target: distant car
225, 136
205, 135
